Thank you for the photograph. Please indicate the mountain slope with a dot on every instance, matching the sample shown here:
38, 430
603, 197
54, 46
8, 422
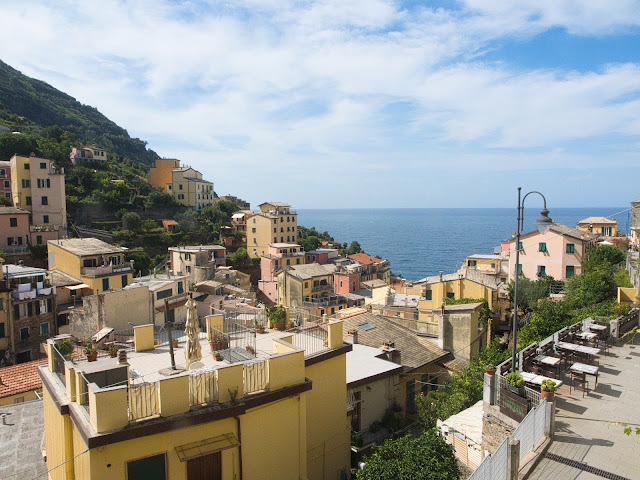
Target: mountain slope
28, 104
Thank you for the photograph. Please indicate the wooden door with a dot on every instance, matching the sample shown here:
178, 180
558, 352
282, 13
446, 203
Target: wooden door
207, 467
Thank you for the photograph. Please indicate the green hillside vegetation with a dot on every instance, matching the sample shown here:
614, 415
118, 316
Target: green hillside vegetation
29, 105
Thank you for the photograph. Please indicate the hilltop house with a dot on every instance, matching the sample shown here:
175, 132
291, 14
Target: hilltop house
599, 226
274, 223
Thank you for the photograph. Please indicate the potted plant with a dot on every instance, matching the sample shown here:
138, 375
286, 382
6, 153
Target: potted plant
250, 349
113, 350
65, 348
217, 356
175, 343
256, 324
91, 352
218, 342
490, 369
515, 382
548, 390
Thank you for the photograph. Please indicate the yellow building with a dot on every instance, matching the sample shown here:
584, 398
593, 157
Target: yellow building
274, 223
495, 265
463, 284
190, 189
99, 266
20, 383
599, 225
37, 186
160, 172
281, 417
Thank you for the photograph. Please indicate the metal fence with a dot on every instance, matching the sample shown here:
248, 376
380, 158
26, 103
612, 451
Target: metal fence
530, 433
123, 339
532, 395
203, 388
83, 396
255, 377
161, 335
58, 365
236, 345
143, 400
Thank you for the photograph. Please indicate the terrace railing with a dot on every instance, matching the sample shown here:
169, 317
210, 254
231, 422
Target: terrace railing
143, 400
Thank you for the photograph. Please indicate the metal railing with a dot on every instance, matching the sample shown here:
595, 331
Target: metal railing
312, 337
58, 365
236, 345
124, 339
83, 393
161, 335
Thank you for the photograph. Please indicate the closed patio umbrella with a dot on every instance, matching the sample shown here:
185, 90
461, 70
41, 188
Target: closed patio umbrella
192, 350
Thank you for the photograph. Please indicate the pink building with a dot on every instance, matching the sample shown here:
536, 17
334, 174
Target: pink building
278, 255
346, 281
321, 255
5, 180
557, 253
14, 225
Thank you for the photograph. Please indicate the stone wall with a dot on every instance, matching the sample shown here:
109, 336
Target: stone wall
495, 427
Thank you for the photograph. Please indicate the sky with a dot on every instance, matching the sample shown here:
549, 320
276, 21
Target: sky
359, 103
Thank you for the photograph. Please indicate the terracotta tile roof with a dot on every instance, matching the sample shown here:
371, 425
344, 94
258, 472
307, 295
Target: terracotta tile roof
365, 259
604, 220
20, 378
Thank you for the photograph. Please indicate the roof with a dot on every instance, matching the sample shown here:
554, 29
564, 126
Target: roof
197, 248
169, 222
62, 279
275, 204
462, 307
311, 270
562, 230
471, 275
468, 422
374, 283
285, 245
323, 250
365, 259
364, 366
481, 256
5, 163
403, 300
21, 441
20, 378
15, 271
13, 211
591, 220
415, 352
193, 179
86, 246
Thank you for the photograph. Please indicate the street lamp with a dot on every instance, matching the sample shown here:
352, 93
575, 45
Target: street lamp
543, 222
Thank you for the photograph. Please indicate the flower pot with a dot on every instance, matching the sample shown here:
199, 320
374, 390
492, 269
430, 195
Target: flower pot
260, 330
92, 357
217, 357
490, 371
548, 396
516, 390
175, 344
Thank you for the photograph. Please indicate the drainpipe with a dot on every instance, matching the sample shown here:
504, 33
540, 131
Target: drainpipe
239, 445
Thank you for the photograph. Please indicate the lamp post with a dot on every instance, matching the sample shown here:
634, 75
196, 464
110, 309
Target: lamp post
543, 223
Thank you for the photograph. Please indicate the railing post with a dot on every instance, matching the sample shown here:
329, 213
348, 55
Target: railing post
550, 423
489, 389
513, 458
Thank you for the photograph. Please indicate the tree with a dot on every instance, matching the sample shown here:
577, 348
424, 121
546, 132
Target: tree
141, 261
5, 202
595, 285
354, 248
427, 457
609, 255
532, 291
160, 200
131, 221
238, 259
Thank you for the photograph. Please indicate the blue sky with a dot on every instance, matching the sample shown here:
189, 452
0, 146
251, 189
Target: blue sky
362, 103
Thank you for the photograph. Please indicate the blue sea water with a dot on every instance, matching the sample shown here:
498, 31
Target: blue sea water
420, 242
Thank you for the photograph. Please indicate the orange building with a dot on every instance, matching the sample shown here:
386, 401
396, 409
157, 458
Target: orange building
160, 172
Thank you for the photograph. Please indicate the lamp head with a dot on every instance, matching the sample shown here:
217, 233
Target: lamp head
543, 222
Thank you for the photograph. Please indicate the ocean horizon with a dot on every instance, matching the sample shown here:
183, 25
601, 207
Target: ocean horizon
421, 242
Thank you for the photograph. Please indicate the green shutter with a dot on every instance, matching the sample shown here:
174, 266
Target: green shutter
571, 248
542, 247
428, 294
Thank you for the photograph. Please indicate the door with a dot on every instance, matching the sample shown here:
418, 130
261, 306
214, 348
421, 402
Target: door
207, 467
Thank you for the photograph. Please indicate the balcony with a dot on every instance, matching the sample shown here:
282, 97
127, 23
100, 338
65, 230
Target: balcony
327, 287
107, 270
325, 301
27, 291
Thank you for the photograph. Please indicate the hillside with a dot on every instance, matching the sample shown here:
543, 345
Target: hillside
30, 105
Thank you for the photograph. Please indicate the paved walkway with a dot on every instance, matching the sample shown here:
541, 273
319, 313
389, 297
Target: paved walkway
585, 427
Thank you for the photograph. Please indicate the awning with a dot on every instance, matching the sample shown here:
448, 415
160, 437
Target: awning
207, 446
77, 287
102, 334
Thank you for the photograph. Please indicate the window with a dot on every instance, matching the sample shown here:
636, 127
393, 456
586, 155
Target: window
6, 184
306, 284
27, 166
180, 187
181, 196
542, 271
44, 328
288, 262
520, 269
149, 468
542, 247
124, 281
410, 401
169, 187
451, 295
472, 263
428, 294
1, 304
571, 248
13, 221
105, 284
45, 219
24, 333
43, 165
253, 230
571, 271
424, 383
180, 288
39, 239
164, 294
27, 200
2, 330
26, 183
275, 230
281, 229
2, 172
275, 239
493, 265
45, 200
189, 268
187, 256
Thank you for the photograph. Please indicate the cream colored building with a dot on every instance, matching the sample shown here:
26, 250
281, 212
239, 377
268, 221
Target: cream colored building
37, 186
197, 262
274, 223
494, 265
189, 188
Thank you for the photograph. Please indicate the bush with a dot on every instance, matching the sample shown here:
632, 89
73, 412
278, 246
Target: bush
131, 221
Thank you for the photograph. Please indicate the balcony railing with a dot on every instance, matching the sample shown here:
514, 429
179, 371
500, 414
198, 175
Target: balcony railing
106, 269
322, 288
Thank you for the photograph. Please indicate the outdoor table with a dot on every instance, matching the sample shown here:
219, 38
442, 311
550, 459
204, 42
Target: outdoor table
534, 379
586, 335
547, 360
584, 368
598, 328
577, 348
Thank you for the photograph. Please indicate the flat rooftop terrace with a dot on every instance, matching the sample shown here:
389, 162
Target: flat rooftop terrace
589, 442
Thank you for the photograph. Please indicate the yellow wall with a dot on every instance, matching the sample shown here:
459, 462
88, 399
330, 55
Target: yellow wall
160, 172
627, 295
18, 173
461, 289
58, 441
19, 398
264, 224
143, 338
597, 228
328, 428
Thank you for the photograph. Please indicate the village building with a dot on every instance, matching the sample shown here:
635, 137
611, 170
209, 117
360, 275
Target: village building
5, 180
374, 268
274, 223
197, 262
80, 155
603, 226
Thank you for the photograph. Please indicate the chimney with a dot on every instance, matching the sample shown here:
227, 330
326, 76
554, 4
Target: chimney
441, 273
122, 357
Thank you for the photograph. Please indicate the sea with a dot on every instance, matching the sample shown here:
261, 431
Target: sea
421, 242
